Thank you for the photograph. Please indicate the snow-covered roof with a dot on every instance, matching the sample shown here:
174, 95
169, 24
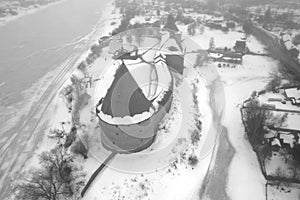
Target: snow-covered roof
124, 97
78, 74
286, 38
289, 45
270, 134
215, 55
275, 142
293, 92
288, 139
135, 83
128, 120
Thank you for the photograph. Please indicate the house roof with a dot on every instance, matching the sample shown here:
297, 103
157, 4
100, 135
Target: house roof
276, 142
293, 92
288, 139
289, 45
124, 97
270, 134
286, 38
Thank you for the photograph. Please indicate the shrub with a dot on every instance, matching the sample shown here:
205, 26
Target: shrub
296, 39
198, 123
172, 48
195, 137
275, 82
255, 118
96, 50
71, 137
80, 147
82, 66
193, 160
56, 134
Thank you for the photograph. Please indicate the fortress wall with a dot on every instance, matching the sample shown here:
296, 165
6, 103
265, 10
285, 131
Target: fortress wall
135, 137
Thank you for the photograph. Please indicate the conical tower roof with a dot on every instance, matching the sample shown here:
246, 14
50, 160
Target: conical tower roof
124, 97
170, 24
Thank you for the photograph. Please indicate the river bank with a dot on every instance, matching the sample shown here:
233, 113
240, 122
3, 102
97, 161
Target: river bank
24, 130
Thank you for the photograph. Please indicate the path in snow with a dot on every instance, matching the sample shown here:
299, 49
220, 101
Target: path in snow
216, 178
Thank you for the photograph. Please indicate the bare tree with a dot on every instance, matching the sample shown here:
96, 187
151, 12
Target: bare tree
58, 178
212, 43
256, 118
285, 154
275, 83
71, 137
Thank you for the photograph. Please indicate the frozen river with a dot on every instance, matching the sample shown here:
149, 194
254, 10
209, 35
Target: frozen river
34, 44
36, 52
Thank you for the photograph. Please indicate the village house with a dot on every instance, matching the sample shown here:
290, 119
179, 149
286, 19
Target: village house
282, 137
293, 95
240, 46
286, 42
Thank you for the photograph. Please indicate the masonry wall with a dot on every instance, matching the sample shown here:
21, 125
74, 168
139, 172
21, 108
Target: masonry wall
135, 137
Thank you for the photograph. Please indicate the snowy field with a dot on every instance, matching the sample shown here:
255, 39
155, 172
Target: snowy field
160, 171
245, 178
289, 192
165, 170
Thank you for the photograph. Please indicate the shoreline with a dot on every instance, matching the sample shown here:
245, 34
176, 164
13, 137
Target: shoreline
80, 58
25, 104
24, 159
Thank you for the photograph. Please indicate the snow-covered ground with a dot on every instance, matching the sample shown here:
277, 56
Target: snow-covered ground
52, 111
278, 166
144, 19
291, 191
245, 178
132, 180
162, 170
224, 39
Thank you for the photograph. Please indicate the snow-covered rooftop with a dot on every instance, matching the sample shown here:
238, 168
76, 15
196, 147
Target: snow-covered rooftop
286, 38
292, 93
153, 80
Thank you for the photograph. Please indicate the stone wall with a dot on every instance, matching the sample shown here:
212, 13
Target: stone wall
135, 137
